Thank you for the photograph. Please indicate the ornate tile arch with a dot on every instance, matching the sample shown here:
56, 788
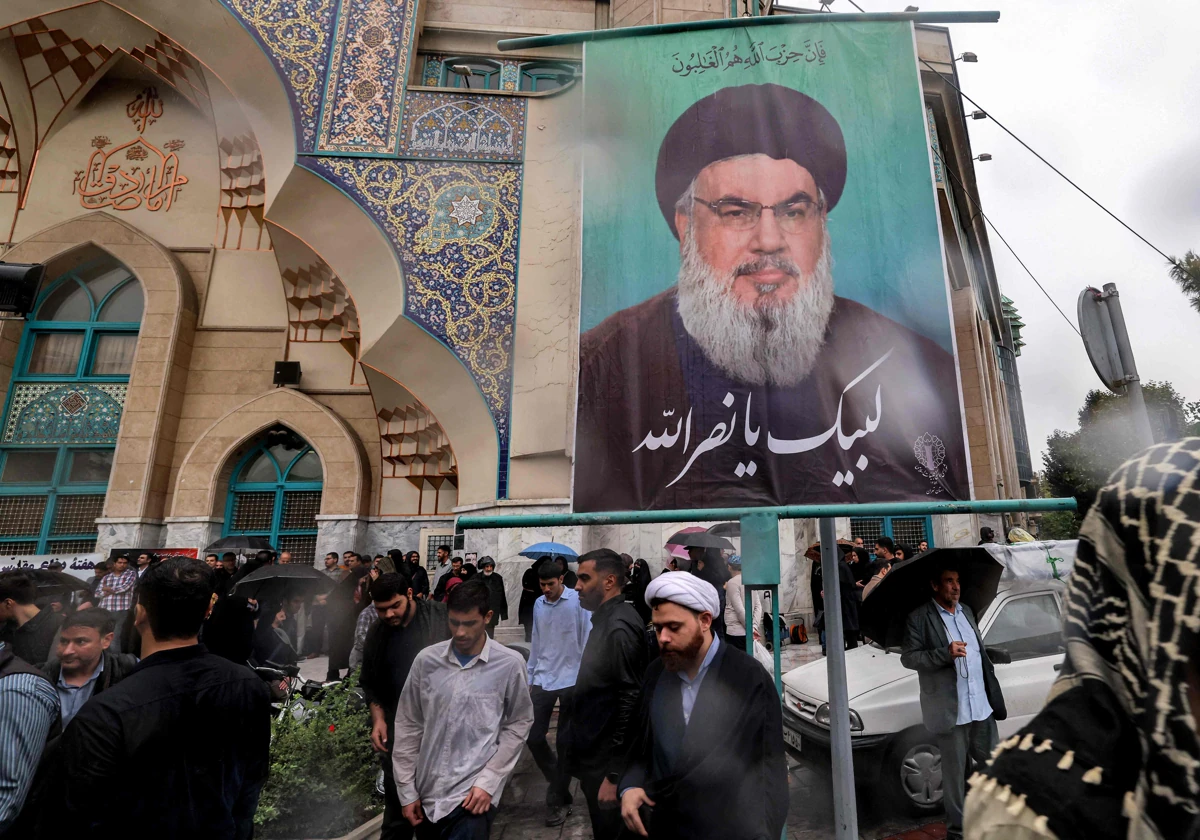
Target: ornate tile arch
297, 36
454, 228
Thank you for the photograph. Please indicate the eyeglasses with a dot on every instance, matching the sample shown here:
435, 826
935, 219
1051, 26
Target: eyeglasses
792, 215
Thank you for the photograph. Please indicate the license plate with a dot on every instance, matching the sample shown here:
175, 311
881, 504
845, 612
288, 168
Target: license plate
792, 739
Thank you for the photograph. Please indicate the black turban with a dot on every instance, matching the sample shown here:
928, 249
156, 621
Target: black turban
767, 120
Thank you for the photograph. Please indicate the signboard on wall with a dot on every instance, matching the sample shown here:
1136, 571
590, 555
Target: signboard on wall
764, 308
81, 566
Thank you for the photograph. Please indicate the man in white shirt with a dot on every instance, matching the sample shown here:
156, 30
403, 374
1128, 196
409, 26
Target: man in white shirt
735, 608
560, 631
450, 769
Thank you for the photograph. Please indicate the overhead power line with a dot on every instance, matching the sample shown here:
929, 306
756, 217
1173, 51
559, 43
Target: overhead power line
1170, 260
979, 211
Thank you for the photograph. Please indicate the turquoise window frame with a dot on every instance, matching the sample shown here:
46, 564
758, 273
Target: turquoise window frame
55, 489
533, 72
92, 329
278, 487
491, 79
888, 528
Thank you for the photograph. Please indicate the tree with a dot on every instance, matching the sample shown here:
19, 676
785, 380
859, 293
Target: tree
1186, 272
1078, 463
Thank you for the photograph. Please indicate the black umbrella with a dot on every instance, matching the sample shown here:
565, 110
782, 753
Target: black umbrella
700, 539
50, 581
281, 582
239, 544
885, 611
726, 529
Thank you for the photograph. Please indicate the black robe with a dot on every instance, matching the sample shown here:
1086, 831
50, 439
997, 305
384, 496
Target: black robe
643, 377
727, 778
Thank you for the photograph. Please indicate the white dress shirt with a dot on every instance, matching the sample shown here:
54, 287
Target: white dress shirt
735, 608
690, 689
560, 631
973, 704
459, 726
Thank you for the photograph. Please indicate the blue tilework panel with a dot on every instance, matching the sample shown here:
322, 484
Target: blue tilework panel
458, 126
510, 76
454, 227
431, 76
364, 96
296, 35
55, 412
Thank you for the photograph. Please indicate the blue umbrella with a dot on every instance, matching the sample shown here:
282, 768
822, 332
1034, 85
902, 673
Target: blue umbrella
543, 548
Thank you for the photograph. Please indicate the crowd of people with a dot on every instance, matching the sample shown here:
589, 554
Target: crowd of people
146, 669
671, 729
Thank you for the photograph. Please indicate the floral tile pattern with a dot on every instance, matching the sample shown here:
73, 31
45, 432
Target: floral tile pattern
367, 70
57, 412
454, 228
462, 126
296, 35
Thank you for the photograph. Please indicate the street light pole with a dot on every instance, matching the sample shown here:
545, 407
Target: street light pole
845, 810
1133, 385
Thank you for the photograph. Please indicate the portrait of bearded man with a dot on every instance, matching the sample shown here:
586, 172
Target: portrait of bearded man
749, 381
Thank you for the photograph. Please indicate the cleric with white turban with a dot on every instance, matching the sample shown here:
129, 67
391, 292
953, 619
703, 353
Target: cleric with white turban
708, 759
686, 590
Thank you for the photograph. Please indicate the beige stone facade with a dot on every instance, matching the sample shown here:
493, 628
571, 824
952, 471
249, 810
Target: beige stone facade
251, 251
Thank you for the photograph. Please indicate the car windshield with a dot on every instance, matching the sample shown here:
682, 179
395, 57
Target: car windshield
1027, 627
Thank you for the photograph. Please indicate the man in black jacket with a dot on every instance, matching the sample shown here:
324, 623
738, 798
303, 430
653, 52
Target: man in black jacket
192, 727
497, 597
30, 631
86, 663
707, 760
605, 697
405, 627
961, 698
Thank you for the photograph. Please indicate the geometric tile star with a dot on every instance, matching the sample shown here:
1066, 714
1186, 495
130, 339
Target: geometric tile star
466, 211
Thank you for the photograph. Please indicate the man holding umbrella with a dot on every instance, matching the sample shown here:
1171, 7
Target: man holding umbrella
960, 696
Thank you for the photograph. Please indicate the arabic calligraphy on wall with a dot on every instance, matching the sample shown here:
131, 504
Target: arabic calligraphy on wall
454, 126
145, 109
131, 175
720, 58
135, 173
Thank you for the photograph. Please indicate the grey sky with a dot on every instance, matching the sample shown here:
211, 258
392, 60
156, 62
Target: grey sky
1108, 92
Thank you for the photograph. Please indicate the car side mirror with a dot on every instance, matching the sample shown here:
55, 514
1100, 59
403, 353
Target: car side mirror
998, 656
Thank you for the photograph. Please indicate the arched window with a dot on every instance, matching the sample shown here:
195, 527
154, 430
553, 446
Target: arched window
485, 74
64, 408
275, 493
541, 76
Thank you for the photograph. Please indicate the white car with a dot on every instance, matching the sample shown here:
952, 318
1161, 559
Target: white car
890, 744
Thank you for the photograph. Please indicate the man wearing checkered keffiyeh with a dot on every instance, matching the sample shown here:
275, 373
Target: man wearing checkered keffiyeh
1115, 753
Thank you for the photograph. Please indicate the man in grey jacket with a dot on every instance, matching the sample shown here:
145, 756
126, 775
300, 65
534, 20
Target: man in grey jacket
960, 697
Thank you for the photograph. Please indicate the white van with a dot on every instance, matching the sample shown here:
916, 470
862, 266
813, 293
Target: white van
890, 743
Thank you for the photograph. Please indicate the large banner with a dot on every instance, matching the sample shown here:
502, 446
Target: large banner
765, 312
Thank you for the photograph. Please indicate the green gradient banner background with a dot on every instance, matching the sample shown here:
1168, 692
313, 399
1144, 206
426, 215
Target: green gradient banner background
884, 230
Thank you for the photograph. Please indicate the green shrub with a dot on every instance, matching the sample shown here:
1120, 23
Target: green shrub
323, 770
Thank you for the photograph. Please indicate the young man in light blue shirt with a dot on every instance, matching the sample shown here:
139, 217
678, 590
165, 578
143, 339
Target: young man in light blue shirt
560, 631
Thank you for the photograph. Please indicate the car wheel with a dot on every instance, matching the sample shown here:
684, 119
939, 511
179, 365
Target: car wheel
913, 772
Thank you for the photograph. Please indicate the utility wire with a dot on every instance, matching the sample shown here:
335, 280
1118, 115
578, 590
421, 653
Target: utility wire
1170, 260
979, 211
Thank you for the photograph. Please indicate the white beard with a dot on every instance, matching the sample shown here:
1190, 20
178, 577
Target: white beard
769, 343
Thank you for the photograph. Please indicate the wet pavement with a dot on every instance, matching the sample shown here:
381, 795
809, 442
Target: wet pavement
522, 811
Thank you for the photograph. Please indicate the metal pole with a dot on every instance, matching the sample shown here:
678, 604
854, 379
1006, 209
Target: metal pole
633, 517
749, 618
1133, 385
778, 646
845, 809
536, 41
